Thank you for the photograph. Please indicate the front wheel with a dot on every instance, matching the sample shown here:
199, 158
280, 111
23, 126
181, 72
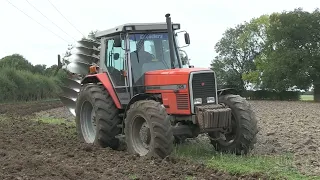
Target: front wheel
242, 137
148, 130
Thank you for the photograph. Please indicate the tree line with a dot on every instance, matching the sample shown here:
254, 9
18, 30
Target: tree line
22, 81
277, 52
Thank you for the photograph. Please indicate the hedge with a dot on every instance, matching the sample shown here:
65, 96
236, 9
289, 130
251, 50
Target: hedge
272, 95
20, 85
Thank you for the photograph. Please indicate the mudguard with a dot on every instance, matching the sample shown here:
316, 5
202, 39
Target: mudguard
104, 79
227, 91
137, 97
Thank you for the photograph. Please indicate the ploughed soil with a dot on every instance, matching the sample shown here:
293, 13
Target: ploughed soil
22, 109
34, 150
290, 127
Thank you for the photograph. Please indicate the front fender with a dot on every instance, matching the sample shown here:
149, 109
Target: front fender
137, 97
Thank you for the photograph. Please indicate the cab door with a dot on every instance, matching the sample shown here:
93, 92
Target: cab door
115, 64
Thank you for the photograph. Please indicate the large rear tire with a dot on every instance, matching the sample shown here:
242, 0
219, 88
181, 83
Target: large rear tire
242, 137
97, 117
150, 116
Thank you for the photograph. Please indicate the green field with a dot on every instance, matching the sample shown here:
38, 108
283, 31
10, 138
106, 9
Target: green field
306, 97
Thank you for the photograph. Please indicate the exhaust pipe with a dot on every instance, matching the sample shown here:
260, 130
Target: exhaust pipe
170, 36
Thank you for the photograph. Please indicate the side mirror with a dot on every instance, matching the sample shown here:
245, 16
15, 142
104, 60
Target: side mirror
116, 56
186, 38
117, 41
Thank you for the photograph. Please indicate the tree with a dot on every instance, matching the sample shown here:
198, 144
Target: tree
16, 61
91, 36
291, 56
237, 50
39, 69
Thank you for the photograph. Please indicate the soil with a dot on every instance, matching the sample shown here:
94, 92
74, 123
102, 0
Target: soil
290, 127
22, 109
34, 150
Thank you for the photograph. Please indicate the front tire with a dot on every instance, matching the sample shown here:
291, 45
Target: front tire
97, 117
151, 116
242, 137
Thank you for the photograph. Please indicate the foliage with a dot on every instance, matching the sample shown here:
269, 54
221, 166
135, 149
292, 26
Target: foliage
272, 95
237, 50
22, 85
21, 81
91, 36
17, 61
290, 58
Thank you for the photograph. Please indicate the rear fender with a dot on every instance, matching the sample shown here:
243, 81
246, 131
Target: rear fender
104, 79
227, 91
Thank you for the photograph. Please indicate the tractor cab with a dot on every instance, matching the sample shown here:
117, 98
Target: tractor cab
134, 49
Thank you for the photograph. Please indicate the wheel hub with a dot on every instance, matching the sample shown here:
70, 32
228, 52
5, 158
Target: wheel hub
145, 135
141, 135
88, 122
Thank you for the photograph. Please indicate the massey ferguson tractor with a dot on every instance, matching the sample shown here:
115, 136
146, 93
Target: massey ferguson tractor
131, 83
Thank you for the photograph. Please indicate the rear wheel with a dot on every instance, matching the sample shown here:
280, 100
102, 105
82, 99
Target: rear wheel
242, 137
148, 130
97, 117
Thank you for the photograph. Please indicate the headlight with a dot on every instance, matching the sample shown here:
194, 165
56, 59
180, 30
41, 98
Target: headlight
211, 99
197, 101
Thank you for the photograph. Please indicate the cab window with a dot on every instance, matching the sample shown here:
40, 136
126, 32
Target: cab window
115, 62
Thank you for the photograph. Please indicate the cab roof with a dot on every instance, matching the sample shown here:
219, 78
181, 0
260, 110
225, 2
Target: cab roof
136, 27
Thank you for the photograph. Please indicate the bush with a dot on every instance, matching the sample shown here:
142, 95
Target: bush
272, 95
22, 85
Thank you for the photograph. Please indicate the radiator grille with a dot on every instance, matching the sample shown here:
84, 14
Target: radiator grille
182, 101
203, 86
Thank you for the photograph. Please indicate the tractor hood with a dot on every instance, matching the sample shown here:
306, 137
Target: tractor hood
176, 71
170, 76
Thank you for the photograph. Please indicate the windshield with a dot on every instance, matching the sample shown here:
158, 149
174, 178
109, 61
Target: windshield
149, 52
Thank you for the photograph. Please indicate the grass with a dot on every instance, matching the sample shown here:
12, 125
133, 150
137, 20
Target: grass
306, 98
277, 167
70, 127
30, 102
55, 121
133, 177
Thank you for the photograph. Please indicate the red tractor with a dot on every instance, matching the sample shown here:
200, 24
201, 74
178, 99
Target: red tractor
132, 83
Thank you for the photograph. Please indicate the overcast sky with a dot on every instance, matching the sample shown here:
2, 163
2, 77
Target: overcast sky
205, 20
